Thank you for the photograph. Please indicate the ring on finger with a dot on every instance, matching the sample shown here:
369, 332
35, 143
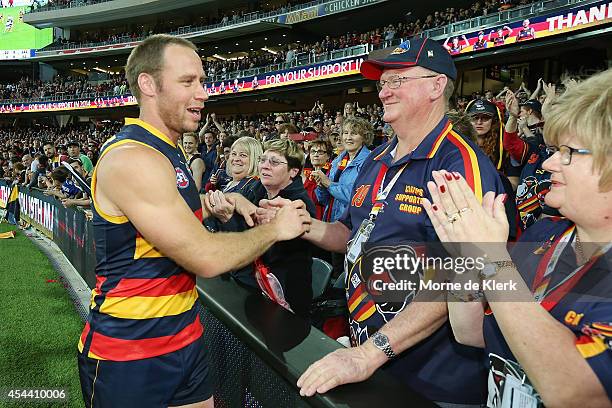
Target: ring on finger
453, 217
465, 209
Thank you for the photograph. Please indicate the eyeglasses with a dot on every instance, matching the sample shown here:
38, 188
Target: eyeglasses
314, 151
273, 162
566, 152
279, 121
395, 82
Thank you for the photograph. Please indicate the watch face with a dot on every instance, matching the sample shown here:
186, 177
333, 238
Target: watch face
489, 270
380, 340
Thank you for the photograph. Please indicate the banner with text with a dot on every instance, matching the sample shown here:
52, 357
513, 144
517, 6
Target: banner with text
294, 76
102, 102
577, 18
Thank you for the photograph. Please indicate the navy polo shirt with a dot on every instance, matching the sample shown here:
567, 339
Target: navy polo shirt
438, 367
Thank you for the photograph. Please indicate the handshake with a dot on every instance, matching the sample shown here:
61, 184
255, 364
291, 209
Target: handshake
290, 218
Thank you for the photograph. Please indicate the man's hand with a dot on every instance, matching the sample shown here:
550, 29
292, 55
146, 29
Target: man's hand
243, 207
343, 366
292, 221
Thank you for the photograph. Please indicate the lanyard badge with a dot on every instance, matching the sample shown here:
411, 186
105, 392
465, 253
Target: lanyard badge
354, 246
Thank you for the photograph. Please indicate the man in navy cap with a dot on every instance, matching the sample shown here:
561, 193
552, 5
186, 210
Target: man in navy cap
412, 339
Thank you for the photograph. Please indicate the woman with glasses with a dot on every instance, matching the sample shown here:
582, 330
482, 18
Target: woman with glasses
320, 153
334, 190
549, 340
284, 271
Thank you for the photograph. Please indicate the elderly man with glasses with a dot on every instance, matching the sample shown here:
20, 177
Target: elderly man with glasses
411, 338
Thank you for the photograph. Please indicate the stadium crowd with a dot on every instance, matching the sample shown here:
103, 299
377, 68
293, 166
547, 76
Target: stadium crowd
320, 159
320, 124
71, 86
226, 17
68, 86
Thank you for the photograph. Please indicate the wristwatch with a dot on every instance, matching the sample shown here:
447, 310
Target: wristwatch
490, 269
382, 343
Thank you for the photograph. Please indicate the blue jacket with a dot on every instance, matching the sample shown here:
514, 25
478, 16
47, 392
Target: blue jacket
340, 191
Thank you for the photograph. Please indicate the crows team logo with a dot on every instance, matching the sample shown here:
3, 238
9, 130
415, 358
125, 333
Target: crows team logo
360, 195
182, 181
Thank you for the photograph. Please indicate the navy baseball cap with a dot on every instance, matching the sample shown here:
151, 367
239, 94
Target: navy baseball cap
481, 106
416, 51
534, 105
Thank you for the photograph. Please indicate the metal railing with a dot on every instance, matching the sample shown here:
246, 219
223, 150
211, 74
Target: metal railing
302, 59
484, 22
193, 30
62, 98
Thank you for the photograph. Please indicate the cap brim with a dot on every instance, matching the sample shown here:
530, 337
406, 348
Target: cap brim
373, 69
481, 113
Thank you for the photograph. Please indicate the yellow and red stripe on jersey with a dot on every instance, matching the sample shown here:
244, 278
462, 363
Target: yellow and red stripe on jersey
471, 167
590, 346
436, 144
110, 348
360, 304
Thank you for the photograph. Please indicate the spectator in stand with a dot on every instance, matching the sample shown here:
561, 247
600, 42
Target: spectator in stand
286, 129
334, 190
62, 186
528, 153
284, 272
540, 347
39, 176
220, 177
84, 200
194, 159
208, 151
74, 151
320, 153
487, 122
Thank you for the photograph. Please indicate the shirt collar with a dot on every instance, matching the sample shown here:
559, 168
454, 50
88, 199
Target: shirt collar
425, 150
151, 129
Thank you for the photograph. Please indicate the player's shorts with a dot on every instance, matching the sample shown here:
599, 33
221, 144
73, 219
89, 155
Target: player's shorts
172, 379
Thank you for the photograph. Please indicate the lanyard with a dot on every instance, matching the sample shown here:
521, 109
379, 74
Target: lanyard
381, 194
549, 298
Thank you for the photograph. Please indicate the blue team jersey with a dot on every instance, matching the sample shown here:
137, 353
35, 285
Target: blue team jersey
586, 310
437, 367
144, 304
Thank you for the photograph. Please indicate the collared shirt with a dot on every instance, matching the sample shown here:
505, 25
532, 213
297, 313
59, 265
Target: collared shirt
438, 367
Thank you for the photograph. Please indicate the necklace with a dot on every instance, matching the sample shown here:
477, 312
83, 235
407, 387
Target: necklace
582, 259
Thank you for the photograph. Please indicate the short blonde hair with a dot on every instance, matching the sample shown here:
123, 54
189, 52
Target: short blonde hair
361, 127
289, 150
148, 58
585, 112
254, 150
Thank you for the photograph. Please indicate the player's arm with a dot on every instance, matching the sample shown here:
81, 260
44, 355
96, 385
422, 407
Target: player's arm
163, 218
197, 169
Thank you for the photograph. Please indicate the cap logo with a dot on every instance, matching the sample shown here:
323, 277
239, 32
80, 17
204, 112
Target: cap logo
403, 47
430, 54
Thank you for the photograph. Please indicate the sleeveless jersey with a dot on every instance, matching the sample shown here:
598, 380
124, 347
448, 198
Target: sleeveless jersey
144, 304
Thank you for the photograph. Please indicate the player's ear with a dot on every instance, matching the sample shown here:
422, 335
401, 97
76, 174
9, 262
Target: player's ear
147, 84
